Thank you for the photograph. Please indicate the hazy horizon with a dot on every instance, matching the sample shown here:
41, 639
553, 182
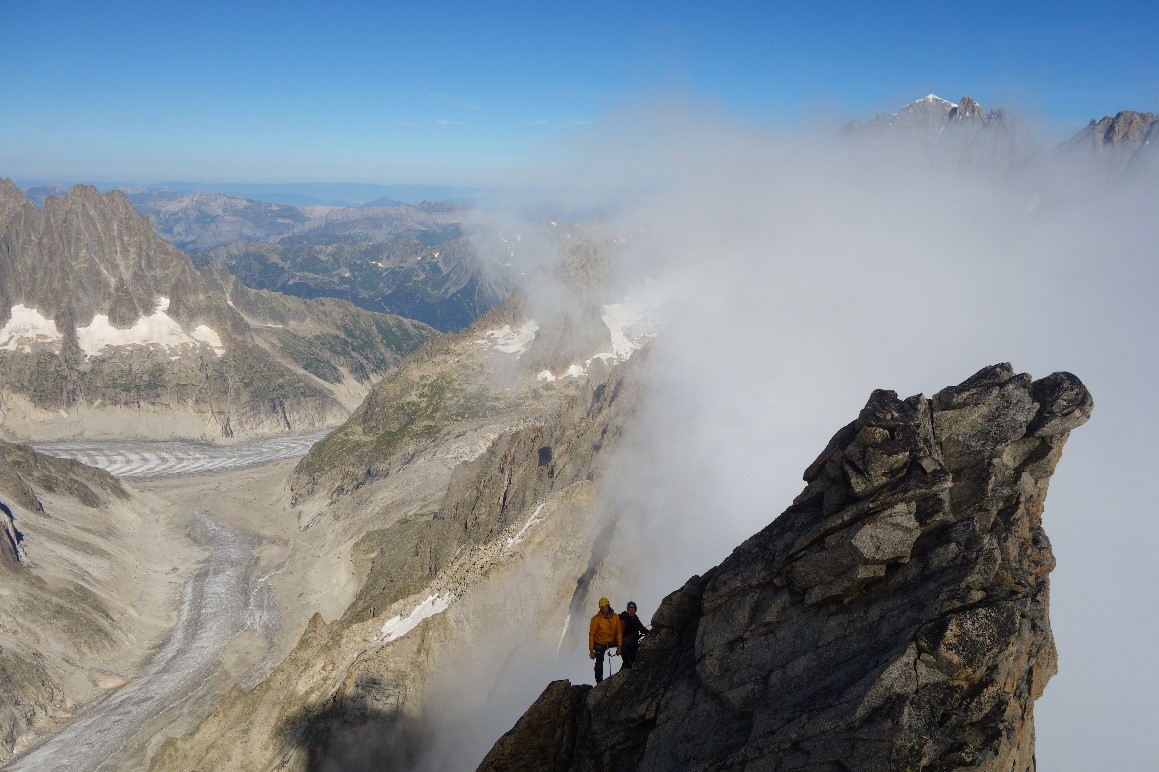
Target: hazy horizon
460, 94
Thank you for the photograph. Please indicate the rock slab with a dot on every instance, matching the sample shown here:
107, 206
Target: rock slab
893, 618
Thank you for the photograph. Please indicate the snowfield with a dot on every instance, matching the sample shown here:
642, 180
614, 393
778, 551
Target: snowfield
518, 537
630, 324
396, 627
27, 326
511, 341
158, 328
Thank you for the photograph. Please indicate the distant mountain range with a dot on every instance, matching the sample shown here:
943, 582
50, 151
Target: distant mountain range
433, 262
341, 194
439, 262
437, 276
966, 132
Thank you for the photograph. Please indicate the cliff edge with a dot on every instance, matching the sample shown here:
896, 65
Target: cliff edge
895, 617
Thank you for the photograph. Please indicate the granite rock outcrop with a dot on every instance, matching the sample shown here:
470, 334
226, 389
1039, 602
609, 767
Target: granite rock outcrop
894, 617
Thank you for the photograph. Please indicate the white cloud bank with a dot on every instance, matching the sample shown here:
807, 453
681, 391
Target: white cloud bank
803, 274
811, 273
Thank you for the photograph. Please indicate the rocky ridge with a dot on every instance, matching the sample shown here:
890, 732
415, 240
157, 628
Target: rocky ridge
931, 121
893, 618
514, 360
99, 315
71, 623
1127, 141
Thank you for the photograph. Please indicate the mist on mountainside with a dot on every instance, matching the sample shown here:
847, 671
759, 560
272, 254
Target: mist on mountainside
803, 270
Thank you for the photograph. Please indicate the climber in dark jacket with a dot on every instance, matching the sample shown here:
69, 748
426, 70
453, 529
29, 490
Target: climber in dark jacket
633, 630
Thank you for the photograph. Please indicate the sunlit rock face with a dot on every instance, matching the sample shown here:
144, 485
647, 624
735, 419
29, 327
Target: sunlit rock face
1127, 142
894, 617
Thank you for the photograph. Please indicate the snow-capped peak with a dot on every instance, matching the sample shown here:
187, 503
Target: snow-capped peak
934, 99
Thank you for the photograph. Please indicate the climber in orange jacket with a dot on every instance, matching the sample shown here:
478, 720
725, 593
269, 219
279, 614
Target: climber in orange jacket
604, 632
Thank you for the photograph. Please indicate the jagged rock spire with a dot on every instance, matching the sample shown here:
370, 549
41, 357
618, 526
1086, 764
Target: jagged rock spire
894, 617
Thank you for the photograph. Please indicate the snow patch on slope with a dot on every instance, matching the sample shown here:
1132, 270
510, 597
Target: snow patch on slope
511, 341
934, 99
563, 633
573, 371
27, 326
159, 328
631, 324
523, 531
209, 337
397, 626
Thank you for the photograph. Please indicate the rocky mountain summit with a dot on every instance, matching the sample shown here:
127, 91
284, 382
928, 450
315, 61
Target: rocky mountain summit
931, 121
962, 134
1128, 140
931, 115
970, 136
98, 314
894, 617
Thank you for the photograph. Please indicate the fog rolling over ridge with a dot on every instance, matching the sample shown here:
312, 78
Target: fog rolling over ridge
804, 272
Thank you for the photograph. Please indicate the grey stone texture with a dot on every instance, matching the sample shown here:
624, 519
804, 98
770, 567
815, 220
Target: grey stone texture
893, 618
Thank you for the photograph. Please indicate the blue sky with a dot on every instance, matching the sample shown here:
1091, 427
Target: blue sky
461, 93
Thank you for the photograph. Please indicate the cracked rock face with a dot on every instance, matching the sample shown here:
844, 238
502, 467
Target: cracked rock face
893, 618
